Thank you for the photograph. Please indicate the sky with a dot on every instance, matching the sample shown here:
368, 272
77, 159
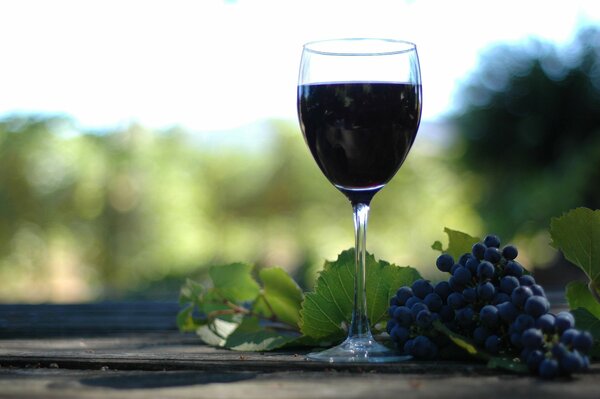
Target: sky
214, 65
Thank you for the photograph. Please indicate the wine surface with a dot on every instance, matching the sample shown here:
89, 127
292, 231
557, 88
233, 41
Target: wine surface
359, 132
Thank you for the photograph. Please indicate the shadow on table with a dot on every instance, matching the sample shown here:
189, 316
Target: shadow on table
164, 379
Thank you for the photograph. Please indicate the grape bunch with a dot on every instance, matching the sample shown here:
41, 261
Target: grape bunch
493, 301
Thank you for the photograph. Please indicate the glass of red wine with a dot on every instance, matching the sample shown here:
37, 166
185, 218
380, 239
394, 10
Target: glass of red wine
359, 106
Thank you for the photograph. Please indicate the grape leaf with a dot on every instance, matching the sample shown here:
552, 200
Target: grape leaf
584, 320
281, 296
189, 298
216, 333
250, 335
459, 243
327, 311
234, 282
579, 296
577, 234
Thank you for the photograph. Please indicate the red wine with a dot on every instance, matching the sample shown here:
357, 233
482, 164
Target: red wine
359, 133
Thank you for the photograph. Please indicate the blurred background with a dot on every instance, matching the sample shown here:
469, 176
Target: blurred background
144, 141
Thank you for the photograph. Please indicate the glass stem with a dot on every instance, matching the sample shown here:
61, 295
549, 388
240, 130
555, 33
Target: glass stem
359, 328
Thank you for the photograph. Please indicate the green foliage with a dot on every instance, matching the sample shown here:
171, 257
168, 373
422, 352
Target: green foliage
529, 128
131, 212
240, 314
576, 233
459, 243
326, 313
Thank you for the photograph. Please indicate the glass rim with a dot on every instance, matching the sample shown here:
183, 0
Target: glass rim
396, 46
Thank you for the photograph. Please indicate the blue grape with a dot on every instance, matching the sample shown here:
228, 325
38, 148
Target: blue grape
456, 300
434, 302
513, 268
478, 250
485, 270
462, 275
486, 291
536, 306
394, 301
564, 321
492, 344
520, 295
391, 323
534, 359
456, 266
412, 301
507, 311
442, 289
571, 362
464, 316
416, 309
399, 334
499, 298
421, 288
559, 351
444, 262
403, 294
424, 318
403, 316
508, 284
548, 368
492, 254
546, 323
423, 348
523, 322
538, 290
472, 264
391, 310
566, 338
515, 339
583, 342
463, 259
510, 252
532, 338
454, 285
527, 280
408, 346
492, 241
447, 313
480, 334
470, 294
488, 315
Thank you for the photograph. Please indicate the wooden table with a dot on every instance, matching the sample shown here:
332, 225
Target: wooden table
133, 350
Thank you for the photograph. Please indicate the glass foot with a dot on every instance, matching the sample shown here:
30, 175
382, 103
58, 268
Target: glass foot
358, 350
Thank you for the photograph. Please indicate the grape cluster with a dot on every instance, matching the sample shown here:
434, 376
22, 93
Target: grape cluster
492, 300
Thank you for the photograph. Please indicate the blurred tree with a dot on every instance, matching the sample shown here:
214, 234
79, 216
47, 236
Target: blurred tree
529, 126
118, 213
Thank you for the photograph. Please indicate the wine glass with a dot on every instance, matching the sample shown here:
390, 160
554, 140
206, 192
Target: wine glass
359, 106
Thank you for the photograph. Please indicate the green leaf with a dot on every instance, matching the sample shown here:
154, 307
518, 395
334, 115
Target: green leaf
234, 282
579, 296
251, 336
577, 235
281, 296
459, 243
584, 320
191, 292
327, 311
216, 333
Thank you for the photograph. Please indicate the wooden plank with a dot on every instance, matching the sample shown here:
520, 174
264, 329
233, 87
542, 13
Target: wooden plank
86, 319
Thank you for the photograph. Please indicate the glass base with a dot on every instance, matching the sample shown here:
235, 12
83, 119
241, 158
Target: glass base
358, 350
